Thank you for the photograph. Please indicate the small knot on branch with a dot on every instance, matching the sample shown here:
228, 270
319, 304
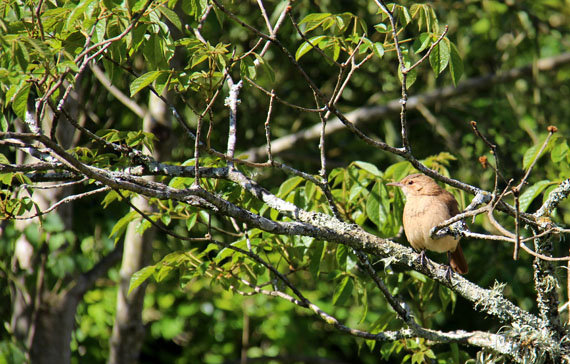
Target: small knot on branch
552, 129
483, 161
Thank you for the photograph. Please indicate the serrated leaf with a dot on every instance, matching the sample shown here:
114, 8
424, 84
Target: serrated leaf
378, 49
247, 68
307, 46
559, 152
341, 256
547, 192
121, 225
370, 168
422, 42
20, 103
364, 303
343, 291
398, 170
374, 208
439, 57
382, 28
171, 16
313, 20
316, 256
455, 64
531, 193
143, 81
530, 155
162, 81
289, 186
77, 12
140, 277
191, 221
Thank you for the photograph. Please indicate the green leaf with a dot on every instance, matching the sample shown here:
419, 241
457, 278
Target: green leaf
307, 46
143, 81
140, 276
6, 179
418, 357
247, 68
77, 12
398, 171
455, 64
445, 296
439, 57
547, 192
171, 16
531, 193
121, 225
20, 103
375, 208
191, 221
530, 155
343, 291
317, 254
162, 81
378, 49
383, 28
411, 76
314, 20
341, 256
422, 42
559, 152
289, 186
310, 190
370, 168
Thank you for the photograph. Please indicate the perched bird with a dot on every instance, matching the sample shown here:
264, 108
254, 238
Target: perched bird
427, 205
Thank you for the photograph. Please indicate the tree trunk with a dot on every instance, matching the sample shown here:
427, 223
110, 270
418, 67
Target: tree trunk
128, 330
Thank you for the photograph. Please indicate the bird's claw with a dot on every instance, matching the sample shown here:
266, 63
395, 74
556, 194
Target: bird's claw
448, 272
424, 261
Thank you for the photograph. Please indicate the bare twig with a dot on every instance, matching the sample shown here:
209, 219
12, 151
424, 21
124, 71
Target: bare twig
268, 127
65, 200
232, 101
493, 148
278, 99
517, 224
197, 30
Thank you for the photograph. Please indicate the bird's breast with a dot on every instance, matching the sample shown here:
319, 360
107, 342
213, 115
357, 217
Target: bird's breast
421, 214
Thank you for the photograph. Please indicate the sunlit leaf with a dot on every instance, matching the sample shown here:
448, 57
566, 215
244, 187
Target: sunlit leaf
530, 193
140, 277
439, 57
343, 291
143, 81
455, 64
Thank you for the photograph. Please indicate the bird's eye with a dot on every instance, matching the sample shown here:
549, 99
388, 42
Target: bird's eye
411, 182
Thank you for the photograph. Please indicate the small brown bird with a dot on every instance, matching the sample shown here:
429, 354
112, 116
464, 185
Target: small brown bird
428, 205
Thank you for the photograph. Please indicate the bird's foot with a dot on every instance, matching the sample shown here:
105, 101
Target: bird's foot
424, 261
448, 272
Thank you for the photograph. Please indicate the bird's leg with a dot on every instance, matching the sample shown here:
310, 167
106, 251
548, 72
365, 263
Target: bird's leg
423, 258
449, 269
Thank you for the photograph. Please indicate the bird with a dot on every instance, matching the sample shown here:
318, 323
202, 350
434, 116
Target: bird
428, 205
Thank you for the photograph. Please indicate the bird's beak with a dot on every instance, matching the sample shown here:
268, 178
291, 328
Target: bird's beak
396, 184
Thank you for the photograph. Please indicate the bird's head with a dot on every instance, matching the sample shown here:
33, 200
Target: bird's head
417, 185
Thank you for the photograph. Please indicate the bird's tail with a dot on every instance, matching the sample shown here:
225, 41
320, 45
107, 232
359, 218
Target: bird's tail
457, 261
